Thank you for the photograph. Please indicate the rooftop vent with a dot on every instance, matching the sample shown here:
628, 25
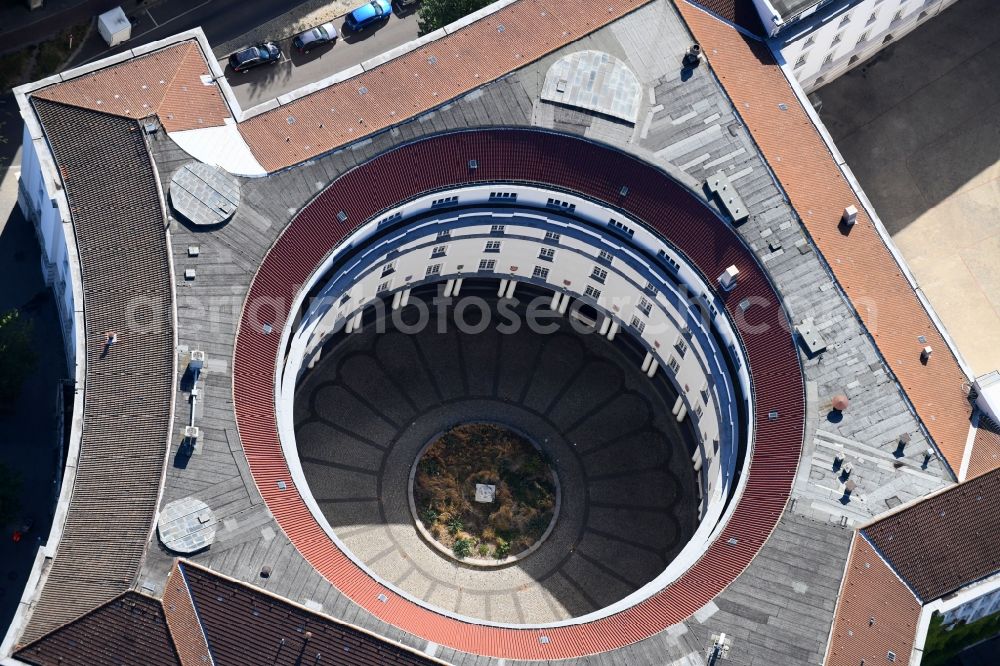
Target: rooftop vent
728, 278
342, 216
850, 216
692, 57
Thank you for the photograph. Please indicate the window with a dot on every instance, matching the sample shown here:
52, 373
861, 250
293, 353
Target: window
872, 18
503, 196
800, 62
563, 205
670, 262
897, 17
444, 233
828, 59
605, 256
433, 269
546, 254
681, 346
487, 264
345, 298
699, 411
673, 365
492, 246
615, 224
638, 324
837, 38
389, 220
645, 306
446, 201
540, 273
439, 251
385, 286
890, 656
497, 229
844, 21
389, 268
552, 237
599, 274
591, 292
863, 38
650, 289
809, 42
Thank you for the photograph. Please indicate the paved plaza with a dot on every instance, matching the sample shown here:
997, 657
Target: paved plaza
920, 127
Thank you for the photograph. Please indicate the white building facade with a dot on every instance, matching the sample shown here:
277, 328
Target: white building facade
822, 39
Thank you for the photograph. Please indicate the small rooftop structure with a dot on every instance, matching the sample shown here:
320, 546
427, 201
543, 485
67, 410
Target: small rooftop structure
114, 26
595, 81
204, 195
186, 526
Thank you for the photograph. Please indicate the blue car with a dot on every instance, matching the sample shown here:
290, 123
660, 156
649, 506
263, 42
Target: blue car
374, 12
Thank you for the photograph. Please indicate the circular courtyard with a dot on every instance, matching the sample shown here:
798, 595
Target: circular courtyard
621, 472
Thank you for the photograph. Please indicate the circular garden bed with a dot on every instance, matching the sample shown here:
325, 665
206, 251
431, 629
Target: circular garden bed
502, 463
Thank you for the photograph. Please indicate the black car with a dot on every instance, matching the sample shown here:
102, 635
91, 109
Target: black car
251, 56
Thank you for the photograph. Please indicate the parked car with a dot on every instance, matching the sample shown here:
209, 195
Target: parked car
251, 56
374, 12
406, 3
313, 37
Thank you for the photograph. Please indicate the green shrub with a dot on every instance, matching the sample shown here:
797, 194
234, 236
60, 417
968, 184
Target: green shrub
462, 547
455, 525
429, 515
484, 549
502, 549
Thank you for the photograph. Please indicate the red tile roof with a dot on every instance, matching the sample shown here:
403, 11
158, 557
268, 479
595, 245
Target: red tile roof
185, 628
245, 626
741, 13
567, 163
947, 540
985, 449
860, 260
165, 82
876, 613
112, 634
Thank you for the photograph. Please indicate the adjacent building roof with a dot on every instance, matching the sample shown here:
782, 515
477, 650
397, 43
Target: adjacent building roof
121, 239
946, 541
985, 454
245, 625
174, 83
876, 613
205, 618
740, 13
110, 635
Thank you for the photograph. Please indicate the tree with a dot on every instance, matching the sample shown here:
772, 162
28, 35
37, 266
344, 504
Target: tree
17, 355
436, 14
